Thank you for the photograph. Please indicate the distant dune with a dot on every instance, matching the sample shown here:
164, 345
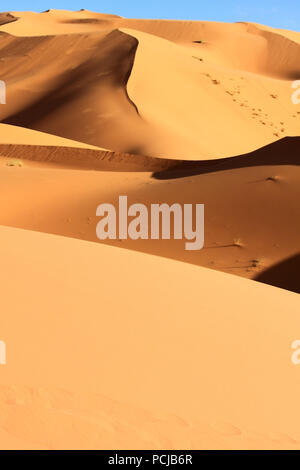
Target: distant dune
136, 344
125, 83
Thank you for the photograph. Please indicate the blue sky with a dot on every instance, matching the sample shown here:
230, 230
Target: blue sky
281, 14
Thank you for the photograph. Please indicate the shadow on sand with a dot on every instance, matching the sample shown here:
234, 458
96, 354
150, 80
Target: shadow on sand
285, 274
283, 152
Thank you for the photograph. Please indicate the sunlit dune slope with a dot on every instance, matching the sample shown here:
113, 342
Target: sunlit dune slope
15, 135
34, 148
160, 96
136, 344
191, 357
252, 213
183, 90
87, 82
206, 109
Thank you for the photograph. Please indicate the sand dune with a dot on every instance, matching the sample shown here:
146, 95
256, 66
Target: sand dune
233, 351
195, 115
142, 107
269, 51
93, 70
244, 235
135, 344
15, 135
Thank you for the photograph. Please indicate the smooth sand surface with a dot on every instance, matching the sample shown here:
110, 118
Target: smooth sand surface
164, 363
243, 235
136, 344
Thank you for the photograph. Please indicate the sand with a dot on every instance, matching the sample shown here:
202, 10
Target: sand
234, 102
140, 344
164, 363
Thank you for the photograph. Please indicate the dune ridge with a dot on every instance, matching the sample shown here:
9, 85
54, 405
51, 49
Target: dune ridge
140, 344
7, 18
137, 110
84, 158
129, 119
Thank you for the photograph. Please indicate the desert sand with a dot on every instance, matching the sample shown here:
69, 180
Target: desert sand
136, 344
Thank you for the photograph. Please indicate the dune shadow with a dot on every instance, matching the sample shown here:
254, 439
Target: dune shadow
86, 21
7, 18
285, 151
115, 61
284, 274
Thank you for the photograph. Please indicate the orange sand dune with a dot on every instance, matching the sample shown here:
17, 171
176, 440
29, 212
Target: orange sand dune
96, 366
222, 112
252, 213
135, 344
93, 69
269, 51
231, 102
25, 146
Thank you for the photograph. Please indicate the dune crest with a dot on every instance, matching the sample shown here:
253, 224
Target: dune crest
141, 105
138, 343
